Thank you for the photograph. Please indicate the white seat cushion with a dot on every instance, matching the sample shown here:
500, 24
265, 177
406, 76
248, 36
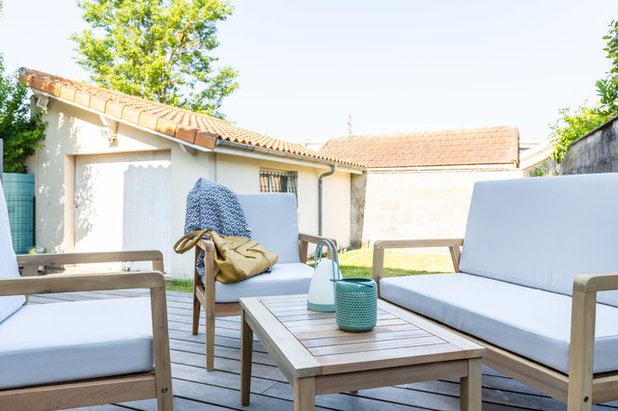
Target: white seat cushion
291, 278
46, 343
273, 220
531, 322
8, 262
543, 232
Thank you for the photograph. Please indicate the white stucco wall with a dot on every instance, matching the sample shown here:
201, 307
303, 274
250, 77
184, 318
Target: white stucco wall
421, 204
72, 131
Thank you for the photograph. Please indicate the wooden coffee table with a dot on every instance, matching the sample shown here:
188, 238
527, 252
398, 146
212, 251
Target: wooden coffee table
318, 358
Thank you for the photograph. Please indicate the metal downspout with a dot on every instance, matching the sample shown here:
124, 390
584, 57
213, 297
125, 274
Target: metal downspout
328, 173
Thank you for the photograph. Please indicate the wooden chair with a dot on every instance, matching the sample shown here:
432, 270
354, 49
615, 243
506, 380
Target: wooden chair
273, 222
74, 354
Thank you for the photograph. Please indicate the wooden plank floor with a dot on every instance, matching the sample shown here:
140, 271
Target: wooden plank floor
195, 389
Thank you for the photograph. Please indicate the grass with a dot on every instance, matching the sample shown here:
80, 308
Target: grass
357, 263
179, 285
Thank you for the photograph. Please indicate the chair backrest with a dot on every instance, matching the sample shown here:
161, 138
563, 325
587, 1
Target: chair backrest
273, 220
8, 262
543, 232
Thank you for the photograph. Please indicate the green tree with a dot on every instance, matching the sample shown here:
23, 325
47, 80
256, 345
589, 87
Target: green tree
573, 124
159, 50
20, 129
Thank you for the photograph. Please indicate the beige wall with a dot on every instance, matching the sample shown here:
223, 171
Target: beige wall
417, 204
72, 131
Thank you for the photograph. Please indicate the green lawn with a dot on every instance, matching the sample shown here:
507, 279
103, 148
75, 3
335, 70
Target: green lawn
357, 263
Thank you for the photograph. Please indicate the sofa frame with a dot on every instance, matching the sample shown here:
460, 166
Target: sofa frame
155, 384
204, 291
580, 388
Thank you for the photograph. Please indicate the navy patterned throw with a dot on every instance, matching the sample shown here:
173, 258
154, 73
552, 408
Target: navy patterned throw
212, 206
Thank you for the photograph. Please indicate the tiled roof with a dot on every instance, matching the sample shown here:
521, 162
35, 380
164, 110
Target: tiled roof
184, 125
478, 146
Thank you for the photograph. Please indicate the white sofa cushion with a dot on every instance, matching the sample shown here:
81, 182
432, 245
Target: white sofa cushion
46, 343
8, 262
290, 278
273, 220
543, 232
530, 322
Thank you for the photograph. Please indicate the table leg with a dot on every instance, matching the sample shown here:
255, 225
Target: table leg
304, 394
471, 388
246, 354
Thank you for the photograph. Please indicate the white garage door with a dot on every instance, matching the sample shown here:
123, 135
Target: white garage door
122, 202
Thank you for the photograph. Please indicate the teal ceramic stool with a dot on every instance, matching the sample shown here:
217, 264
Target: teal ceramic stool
356, 302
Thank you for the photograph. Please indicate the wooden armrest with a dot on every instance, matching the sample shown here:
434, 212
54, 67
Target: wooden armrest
441, 242
583, 325
379, 246
314, 239
32, 261
61, 283
305, 239
596, 282
206, 245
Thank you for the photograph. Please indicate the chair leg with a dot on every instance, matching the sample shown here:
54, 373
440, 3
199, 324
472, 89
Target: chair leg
210, 340
196, 314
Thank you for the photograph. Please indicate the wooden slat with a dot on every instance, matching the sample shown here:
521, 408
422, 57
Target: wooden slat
370, 347
391, 358
349, 338
333, 326
339, 333
326, 320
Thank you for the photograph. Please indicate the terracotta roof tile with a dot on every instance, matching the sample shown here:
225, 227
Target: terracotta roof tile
478, 146
184, 125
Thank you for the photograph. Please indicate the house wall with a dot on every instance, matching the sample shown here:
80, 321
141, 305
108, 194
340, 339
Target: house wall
73, 132
420, 204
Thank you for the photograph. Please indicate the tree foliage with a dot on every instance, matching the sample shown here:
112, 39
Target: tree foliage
573, 124
20, 129
159, 50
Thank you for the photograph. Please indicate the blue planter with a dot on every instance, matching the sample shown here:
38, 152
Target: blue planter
19, 193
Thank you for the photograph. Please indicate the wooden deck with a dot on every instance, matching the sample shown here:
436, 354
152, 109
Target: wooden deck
195, 389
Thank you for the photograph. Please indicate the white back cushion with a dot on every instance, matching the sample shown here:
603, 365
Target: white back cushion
543, 232
273, 222
8, 262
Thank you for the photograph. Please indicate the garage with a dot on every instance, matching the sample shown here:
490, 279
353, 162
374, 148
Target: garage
122, 202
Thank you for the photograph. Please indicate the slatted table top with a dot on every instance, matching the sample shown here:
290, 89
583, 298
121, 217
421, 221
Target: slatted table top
308, 343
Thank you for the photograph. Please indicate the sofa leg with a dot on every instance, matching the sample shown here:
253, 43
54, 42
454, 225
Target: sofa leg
471, 387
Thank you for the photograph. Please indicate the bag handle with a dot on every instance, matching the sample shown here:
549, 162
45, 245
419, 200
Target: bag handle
189, 240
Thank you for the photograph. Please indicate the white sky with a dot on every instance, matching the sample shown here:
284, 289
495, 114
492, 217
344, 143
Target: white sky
406, 65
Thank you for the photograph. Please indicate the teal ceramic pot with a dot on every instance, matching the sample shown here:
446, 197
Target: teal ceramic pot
356, 304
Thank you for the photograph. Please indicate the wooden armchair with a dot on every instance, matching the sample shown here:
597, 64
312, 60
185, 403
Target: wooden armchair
273, 221
73, 354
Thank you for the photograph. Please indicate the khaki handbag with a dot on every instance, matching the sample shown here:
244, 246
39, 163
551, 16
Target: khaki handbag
238, 258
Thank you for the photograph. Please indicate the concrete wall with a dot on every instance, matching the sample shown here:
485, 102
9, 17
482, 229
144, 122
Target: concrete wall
596, 152
421, 204
73, 132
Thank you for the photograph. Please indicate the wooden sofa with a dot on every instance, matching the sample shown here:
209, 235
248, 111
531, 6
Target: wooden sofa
272, 218
536, 283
